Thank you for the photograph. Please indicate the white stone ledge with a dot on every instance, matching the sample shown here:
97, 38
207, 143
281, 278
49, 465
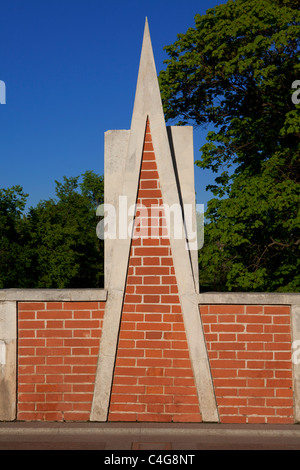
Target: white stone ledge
251, 298
53, 295
98, 295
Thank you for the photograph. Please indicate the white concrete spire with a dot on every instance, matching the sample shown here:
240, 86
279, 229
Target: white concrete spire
147, 97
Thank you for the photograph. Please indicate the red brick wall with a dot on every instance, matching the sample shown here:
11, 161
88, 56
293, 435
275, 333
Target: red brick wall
153, 379
249, 349
58, 345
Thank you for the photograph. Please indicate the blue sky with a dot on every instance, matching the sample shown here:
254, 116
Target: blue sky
70, 69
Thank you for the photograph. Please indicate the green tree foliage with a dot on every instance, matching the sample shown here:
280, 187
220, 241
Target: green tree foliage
235, 70
55, 244
14, 252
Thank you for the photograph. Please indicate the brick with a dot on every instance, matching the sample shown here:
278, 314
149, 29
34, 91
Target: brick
277, 328
126, 362
256, 392
151, 299
155, 417
130, 371
221, 309
26, 315
279, 402
149, 174
54, 314
182, 408
227, 337
254, 319
147, 270
149, 193
278, 365
167, 261
54, 305
54, 333
149, 184
281, 320
176, 353
28, 324
130, 352
229, 346
283, 374
153, 308
53, 369
132, 316
142, 289
155, 408
57, 324
180, 336
152, 251
284, 392
210, 319
26, 407
122, 416
153, 326
148, 156
254, 309
224, 373
153, 317
153, 353
99, 314
252, 328
134, 280
279, 420
80, 305
77, 342
79, 324
33, 342
153, 280
152, 240
125, 398
75, 416
122, 380
169, 299
156, 399
277, 310
26, 333
131, 298
151, 261
169, 280
154, 362
151, 343
179, 372
148, 145
29, 416
53, 351
187, 418
31, 306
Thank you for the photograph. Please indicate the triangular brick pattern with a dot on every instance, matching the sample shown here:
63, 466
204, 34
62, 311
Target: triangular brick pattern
153, 379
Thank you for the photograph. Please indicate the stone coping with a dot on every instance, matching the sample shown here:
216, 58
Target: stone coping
53, 295
249, 298
97, 295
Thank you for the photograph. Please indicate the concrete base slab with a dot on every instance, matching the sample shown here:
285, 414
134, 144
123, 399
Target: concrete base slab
147, 437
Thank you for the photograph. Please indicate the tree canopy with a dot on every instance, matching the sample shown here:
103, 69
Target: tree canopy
55, 243
235, 69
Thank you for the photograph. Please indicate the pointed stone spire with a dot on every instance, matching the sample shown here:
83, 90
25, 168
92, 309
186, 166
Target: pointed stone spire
147, 97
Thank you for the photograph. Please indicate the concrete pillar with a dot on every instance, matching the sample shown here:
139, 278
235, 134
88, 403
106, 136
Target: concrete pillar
8, 340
